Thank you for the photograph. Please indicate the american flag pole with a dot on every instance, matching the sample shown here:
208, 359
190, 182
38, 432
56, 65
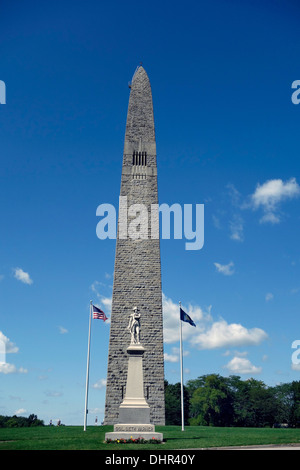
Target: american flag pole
87, 370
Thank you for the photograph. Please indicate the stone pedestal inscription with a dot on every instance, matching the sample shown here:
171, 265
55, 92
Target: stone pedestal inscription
134, 427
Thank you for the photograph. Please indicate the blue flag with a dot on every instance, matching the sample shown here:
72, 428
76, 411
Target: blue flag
185, 317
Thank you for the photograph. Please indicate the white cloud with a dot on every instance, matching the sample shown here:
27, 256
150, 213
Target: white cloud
269, 296
270, 217
208, 334
106, 301
96, 285
267, 197
101, 383
241, 365
62, 330
7, 345
226, 353
20, 411
171, 320
174, 357
22, 276
274, 191
224, 335
234, 195
236, 227
236, 222
171, 357
6, 368
226, 269
270, 194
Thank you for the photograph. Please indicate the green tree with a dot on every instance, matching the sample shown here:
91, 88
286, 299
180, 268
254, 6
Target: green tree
20, 421
283, 396
254, 404
173, 404
211, 401
295, 407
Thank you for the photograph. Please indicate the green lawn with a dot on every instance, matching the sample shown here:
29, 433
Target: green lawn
74, 438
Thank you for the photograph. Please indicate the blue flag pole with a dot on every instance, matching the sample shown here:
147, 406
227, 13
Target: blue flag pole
181, 371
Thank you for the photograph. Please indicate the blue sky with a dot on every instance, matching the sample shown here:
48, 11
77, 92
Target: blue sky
227, 137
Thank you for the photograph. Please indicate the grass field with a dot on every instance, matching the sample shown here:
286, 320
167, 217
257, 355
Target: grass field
194, 437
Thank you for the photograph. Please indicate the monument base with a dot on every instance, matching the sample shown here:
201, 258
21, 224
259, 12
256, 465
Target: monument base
134, 411
134, 431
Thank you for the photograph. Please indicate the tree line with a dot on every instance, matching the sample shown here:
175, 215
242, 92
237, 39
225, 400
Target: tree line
20, 421
213, 400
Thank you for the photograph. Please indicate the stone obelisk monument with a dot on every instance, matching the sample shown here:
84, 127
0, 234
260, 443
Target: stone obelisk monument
137, 275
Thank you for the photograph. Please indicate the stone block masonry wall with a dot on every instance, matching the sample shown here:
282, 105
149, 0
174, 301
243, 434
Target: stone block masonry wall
137, 275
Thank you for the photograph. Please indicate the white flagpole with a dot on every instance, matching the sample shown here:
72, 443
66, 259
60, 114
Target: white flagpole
87, 371
181, 372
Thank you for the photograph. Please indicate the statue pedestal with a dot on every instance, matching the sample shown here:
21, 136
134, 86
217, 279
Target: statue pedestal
134, 408
134, 411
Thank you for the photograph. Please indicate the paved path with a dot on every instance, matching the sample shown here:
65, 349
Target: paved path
263, 447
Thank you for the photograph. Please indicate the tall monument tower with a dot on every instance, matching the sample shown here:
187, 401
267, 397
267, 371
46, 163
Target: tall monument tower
137, 275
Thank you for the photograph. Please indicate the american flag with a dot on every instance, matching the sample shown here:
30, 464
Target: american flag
98, 314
